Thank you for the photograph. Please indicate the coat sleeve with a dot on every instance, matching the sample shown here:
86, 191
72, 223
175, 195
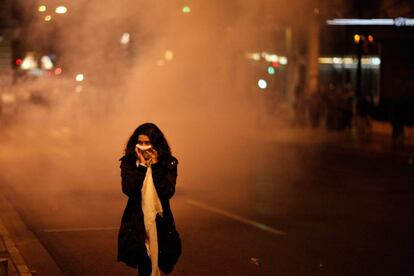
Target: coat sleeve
132, 178
164, 175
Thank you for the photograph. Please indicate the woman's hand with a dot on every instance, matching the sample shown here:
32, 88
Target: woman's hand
153, 156
147, 157
140, 156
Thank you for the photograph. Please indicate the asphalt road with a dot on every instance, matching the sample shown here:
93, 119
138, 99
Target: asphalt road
290, 209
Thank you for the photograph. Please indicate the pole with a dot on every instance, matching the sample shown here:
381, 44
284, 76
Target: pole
358, 88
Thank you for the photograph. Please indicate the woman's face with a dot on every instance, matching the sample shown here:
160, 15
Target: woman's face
143, 140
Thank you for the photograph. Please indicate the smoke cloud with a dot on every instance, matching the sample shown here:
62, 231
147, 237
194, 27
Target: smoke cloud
186, 72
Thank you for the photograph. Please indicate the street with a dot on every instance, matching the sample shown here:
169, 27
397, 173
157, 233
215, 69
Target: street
293, 208
292, 123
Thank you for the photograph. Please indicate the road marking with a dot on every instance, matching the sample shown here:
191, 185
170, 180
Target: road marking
247, 221
84, 229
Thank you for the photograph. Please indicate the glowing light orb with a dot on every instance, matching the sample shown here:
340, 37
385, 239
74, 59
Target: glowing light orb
29, 62
61, 10
357, 38
48, 18
262, 84
371, 39
125, 38
79, 89
186, 9
376, 61
283, 60
169, 55
271, 70
255, 56
58, 71
41, 8
79, 77
46, 63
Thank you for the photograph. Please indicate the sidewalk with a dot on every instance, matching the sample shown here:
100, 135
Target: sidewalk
20, 248
12, 261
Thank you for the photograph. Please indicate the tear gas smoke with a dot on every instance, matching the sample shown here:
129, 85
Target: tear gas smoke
186, 72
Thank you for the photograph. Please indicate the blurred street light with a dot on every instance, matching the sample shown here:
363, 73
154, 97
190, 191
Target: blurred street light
253, 56
48, 18
29, 62
125, 38
58, 71
79, 88
169, 55
79, 77
270, 57
371, 38
262, 84
337, 60
283, 60
186, 9
42, 8
46, 63
350, 61
273, 58
61, 10
357, 38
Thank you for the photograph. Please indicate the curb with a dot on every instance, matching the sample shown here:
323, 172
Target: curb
10, 247
26, 253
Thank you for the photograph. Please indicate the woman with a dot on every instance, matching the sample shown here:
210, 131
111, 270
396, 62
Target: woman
147, 237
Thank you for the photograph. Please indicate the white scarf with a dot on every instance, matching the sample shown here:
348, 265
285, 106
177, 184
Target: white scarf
151, 206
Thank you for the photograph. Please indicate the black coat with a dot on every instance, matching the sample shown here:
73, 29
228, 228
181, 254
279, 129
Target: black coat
131, 237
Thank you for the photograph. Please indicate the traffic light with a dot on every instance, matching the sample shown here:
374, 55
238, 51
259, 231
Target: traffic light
19, 62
